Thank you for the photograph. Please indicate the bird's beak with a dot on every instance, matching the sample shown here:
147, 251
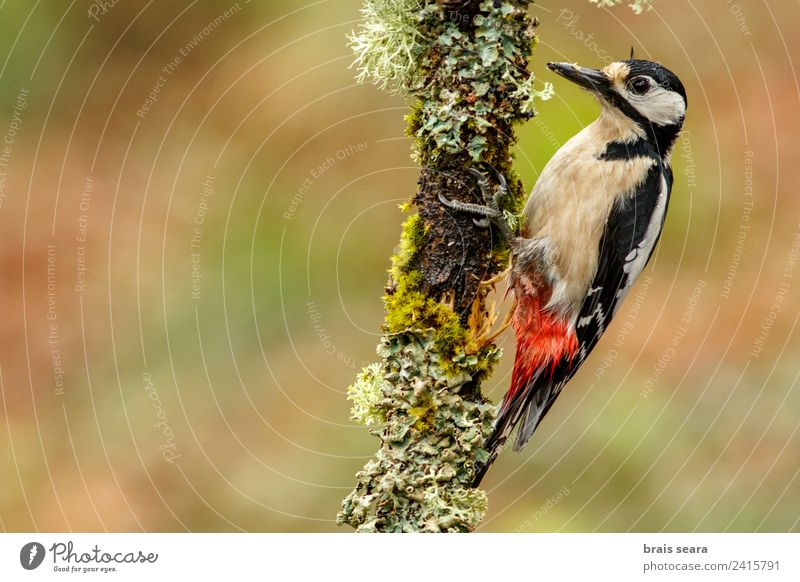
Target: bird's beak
590, 79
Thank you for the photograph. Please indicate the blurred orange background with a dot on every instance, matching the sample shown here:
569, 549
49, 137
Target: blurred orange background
198, 205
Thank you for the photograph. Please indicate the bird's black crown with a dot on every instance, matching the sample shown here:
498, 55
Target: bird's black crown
662, 75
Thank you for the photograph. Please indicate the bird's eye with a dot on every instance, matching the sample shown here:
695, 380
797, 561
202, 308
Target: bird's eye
639, 85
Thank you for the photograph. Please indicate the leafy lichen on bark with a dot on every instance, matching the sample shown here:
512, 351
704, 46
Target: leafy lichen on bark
464, 62
436, 422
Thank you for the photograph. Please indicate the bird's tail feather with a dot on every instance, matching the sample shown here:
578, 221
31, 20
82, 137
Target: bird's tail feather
511, 412
544, 340
539, 404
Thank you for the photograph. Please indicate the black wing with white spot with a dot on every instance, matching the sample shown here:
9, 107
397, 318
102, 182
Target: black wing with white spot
630, 235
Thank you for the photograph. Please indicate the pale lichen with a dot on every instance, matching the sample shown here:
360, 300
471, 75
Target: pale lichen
638, 6
387, 43
436, 422
470, 75
476, 83
365, 394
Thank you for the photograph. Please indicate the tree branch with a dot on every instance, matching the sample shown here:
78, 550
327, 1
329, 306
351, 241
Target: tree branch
464, 62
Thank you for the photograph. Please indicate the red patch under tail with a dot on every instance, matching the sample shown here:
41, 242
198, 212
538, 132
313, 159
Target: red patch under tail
543, 339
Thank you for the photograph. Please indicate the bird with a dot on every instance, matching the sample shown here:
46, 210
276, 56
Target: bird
589, 228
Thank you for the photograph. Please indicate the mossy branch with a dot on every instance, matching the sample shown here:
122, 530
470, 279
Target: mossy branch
463, 63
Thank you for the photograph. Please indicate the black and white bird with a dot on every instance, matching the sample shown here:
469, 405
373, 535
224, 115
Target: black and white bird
591, 224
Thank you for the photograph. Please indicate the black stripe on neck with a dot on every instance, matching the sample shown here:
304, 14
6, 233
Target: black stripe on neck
661, 137
628, 150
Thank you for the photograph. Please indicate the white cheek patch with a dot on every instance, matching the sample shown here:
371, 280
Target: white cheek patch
659, 106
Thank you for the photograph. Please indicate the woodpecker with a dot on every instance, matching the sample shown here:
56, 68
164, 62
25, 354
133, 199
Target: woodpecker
590, 226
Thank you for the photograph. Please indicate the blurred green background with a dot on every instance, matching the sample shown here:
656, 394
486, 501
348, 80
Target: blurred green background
198, 205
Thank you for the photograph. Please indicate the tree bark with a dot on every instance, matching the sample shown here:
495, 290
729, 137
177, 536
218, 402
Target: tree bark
464, 63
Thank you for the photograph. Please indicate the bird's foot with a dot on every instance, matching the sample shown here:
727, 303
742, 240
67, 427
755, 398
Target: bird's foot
490, 213
490, 196
497, 278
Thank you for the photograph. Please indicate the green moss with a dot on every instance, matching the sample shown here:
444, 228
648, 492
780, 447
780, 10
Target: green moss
411, 240
408, 308
414, 119
413, 125
424, 414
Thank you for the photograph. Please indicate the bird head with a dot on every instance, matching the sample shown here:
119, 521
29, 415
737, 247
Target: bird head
647, 93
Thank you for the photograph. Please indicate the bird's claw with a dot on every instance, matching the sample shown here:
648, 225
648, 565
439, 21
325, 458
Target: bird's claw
485, 216
492, 198
479, 176
446, 202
